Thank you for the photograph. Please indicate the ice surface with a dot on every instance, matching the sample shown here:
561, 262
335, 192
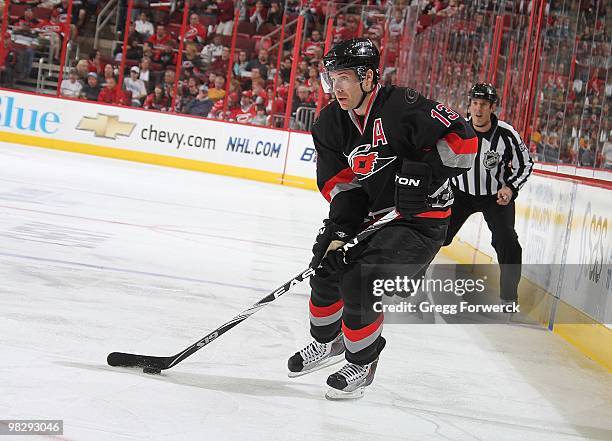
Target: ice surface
98, 255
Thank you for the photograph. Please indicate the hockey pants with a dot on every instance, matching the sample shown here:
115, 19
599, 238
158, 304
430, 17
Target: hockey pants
344, 302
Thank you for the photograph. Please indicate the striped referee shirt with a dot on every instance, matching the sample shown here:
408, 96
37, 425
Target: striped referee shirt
502, 159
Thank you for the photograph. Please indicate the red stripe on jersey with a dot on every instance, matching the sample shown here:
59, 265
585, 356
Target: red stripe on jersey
359, 334
360, 126
343, 177
435, 214
461, 146
325, 311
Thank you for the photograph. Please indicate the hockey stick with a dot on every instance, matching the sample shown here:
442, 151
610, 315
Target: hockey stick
152, 364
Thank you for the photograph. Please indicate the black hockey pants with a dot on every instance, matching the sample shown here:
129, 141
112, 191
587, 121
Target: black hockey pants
345, 302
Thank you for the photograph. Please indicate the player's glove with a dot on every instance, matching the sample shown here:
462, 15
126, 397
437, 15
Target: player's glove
412, 185
331, 237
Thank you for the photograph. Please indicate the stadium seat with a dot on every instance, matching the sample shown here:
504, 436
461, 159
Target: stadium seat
176, 17
208, 20
42, 13
174, 29
266, 28
16, 11
246, 27
245, 43
226, 40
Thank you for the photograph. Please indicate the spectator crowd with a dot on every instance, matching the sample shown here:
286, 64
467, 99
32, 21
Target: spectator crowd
142, 61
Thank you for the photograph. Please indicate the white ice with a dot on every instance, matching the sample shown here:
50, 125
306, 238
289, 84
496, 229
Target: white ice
99, 255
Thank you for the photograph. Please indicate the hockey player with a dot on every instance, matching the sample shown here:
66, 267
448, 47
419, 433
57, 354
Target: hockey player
381, 151
501, 168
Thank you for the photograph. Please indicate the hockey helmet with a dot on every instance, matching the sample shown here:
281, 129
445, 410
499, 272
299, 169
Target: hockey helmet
358, 54
484, 91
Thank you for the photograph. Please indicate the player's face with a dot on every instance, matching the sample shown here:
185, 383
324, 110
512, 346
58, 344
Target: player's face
346, 87
481, 110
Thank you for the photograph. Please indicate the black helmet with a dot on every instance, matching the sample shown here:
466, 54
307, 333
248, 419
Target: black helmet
484, 91
359, 54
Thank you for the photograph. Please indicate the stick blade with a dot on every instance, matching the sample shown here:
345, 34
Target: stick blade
134, 360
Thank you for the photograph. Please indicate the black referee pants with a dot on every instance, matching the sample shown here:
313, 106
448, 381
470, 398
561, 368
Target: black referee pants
345, 302
500, 220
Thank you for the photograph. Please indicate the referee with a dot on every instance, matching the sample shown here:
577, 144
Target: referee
501, 168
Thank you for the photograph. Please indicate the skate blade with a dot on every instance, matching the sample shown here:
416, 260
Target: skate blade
338, 395
329, 362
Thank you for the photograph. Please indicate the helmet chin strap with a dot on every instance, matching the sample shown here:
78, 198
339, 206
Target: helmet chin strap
363, 95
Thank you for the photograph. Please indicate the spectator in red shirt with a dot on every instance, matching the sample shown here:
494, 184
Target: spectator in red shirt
158, 100
312, 43
260, 96
162, 44
246, 111
94, 63
111, 94
28, 22
302, 99
595, 85
312, 81
109, 71
346, 31
217, 109
219, 66
161, 39
275, 104
53, 30
195, 30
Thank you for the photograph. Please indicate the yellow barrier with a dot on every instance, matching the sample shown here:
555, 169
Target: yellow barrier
148, 158
590, 337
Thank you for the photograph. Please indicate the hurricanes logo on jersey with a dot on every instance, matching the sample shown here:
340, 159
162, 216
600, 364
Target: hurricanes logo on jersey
365, 163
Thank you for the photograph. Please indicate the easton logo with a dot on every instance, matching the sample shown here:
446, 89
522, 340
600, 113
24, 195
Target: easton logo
365, 163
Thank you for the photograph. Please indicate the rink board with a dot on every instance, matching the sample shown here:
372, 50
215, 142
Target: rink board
564, 222
561, 221
151, 137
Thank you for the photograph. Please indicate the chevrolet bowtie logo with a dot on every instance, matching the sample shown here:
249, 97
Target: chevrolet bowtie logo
106, 126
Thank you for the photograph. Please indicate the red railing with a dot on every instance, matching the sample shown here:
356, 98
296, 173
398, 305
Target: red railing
548, 65
552, 76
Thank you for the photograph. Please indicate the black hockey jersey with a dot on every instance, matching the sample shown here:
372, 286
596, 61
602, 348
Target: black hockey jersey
358, 157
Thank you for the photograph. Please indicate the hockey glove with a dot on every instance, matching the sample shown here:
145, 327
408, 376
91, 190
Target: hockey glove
333, 262
331, 237
412, 185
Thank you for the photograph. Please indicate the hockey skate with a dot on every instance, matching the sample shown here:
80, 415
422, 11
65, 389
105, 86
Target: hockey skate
350, 381
316, 356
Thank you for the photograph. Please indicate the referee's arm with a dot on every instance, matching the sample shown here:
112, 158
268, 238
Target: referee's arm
522, 164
